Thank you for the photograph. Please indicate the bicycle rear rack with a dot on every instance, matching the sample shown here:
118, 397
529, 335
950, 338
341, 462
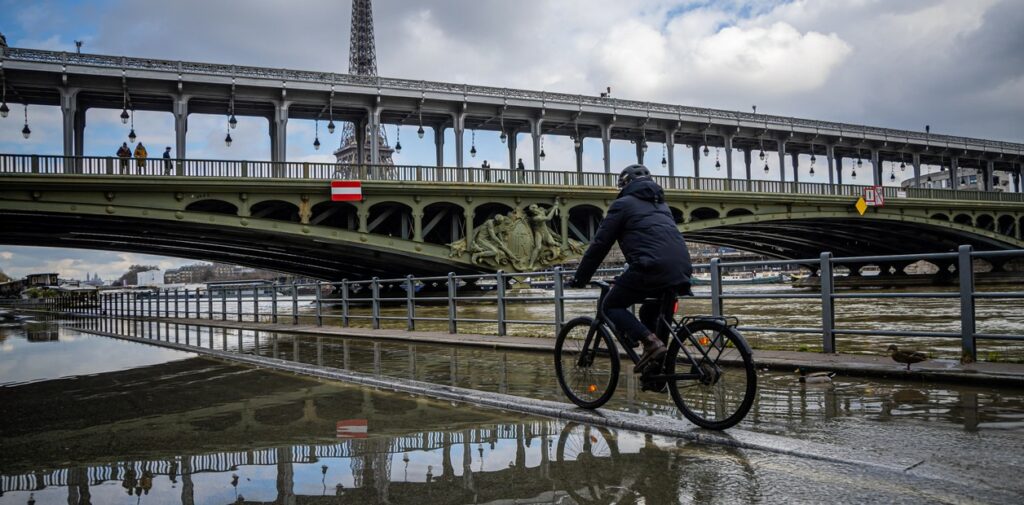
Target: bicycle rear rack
728, 321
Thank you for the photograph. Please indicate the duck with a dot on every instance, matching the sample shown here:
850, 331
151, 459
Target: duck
814, 377
908, 357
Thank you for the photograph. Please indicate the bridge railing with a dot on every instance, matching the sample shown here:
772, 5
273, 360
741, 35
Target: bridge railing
482, 303
235, 169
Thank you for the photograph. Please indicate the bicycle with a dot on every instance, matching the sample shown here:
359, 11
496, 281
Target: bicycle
714, 388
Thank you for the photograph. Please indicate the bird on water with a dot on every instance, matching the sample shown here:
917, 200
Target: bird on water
908, 357
815, 377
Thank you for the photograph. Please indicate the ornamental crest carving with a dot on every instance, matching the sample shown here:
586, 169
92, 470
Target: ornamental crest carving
519, 241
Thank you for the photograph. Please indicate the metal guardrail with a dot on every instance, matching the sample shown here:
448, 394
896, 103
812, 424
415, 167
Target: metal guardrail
285, 299
235, 169
376, 83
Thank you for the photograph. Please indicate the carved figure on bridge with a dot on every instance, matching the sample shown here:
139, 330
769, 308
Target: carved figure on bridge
519, 241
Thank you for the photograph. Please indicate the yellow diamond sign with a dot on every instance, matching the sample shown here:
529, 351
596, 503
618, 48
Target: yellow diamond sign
861, 205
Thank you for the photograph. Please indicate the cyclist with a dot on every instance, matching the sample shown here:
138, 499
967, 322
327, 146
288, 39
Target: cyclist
657, 257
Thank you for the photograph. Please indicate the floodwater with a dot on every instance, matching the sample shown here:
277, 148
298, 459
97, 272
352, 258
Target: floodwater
177, 428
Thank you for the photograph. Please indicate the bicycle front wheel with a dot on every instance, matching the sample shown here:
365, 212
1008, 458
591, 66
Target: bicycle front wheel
724, 391
587, 368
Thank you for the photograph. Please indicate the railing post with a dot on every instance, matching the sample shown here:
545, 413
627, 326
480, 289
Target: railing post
559, 300
295, 303
209, 303
344, 303
968, 351
223, 305
245, 169
375, 302
186, 304
319, 309
238, 304
35, 164
716, 287
452, 326
255, 304
410, 303
499, 285
175, 303
273, 303
828, 316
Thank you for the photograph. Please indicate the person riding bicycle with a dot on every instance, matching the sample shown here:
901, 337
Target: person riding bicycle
658, 259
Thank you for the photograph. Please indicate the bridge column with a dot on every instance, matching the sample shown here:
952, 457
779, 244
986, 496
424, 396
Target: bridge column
279, 136
68, 107
839, 169
746, 164
563, 217
990, 167
916, 161
513, 144
364, 215
696, 160
670, 149
782, 160
830, 158
374, 121
579, 158
180, 107
606, 147
468, 215
535, 134
954, 172
727, 140
80, 131
360, 128
876, 168
795, 157
460, 129
439, 145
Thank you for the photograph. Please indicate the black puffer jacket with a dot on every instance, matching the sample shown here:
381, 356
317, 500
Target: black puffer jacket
642, 223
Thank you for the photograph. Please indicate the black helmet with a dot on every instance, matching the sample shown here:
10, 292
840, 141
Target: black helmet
632, 173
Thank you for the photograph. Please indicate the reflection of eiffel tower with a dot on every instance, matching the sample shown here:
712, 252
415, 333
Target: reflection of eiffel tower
362, 60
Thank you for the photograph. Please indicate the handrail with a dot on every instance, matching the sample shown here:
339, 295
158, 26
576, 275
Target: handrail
199, 303
246, 169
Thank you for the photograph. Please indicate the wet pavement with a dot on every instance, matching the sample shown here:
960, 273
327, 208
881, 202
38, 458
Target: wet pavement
178, 429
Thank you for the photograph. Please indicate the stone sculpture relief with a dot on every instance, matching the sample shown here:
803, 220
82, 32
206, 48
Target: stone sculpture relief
520, 241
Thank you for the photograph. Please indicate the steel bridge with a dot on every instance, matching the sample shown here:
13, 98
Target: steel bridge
239, 212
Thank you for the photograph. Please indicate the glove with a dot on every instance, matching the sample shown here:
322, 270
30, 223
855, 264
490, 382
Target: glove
578, 283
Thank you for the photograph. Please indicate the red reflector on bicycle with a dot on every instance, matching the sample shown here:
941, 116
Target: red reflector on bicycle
704, 340
675, 307
592, 388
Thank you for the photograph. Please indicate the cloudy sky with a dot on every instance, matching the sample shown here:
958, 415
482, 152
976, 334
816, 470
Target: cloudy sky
956, 65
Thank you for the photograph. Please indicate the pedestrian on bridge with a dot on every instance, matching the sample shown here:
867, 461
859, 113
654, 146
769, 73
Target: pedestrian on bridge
140, 155
124, 153
167, 160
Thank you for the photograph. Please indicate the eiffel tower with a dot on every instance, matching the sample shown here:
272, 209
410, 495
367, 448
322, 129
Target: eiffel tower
362, 60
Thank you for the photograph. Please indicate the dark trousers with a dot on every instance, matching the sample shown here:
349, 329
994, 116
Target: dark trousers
620, 298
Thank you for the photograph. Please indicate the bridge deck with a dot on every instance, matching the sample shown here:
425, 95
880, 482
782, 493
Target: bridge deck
987, 373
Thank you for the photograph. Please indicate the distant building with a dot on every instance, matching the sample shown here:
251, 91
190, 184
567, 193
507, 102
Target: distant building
93, 280
970, 179
151, 278
39, 280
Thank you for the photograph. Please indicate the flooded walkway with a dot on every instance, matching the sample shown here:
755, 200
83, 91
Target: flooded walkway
986, 373
182, 429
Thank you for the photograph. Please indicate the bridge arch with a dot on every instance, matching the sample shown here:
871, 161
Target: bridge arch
443, 222
393, 219
341, 215
678, 215
278, 210
939, 216
964, 219
1006, 225
985, 222
583, 221
739, 211
485, 211
213, 206
702, 213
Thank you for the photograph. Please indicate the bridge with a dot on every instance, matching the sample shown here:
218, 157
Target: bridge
423, 220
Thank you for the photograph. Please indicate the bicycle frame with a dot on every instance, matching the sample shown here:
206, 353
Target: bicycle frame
674, 326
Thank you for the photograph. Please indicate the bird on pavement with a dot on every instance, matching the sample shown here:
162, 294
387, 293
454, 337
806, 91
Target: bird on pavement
814, 377
908, 357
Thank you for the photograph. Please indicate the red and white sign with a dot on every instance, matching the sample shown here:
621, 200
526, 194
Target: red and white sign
352, 428
874, 196
346, 191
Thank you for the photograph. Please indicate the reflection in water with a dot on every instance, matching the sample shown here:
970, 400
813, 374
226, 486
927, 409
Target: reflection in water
195, 431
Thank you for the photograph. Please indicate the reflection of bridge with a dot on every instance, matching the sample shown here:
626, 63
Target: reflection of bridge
403, 226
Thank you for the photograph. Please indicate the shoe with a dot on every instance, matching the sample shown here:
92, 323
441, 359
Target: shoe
654, 349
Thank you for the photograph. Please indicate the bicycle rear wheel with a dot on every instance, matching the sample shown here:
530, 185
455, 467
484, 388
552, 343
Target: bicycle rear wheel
587, 371
725, 392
